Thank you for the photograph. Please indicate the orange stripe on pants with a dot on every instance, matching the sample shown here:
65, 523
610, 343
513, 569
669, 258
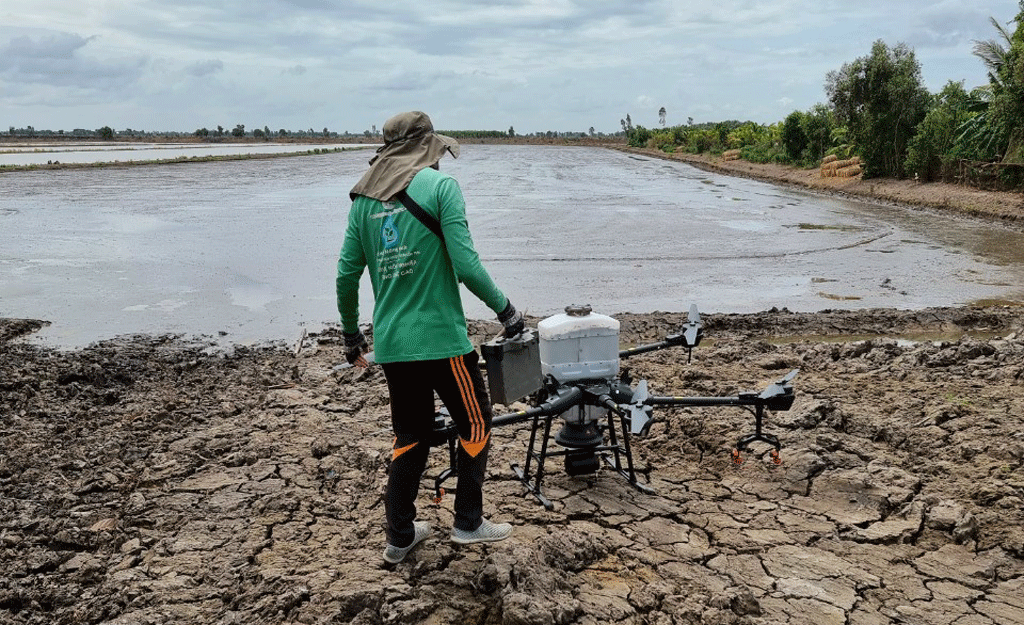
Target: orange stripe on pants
398, 451
476, 418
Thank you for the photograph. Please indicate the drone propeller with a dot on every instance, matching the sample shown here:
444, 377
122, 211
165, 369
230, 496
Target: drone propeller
693, 332
639, 412
780, 387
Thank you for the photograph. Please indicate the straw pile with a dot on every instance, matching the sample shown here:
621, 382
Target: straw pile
832, 167
731, 155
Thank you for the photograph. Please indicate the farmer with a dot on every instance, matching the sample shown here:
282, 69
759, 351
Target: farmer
420, 337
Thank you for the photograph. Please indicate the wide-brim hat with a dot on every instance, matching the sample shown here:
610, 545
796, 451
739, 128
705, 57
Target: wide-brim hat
410, 145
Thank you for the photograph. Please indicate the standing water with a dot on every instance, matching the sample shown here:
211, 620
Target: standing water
246, 250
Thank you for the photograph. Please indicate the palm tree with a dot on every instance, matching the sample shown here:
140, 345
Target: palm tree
983, 131
994, 54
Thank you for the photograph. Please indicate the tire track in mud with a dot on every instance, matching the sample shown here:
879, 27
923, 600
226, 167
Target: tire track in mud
874, 237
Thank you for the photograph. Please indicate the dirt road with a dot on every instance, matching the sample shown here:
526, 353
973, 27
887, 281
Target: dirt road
1004, 206
147, 480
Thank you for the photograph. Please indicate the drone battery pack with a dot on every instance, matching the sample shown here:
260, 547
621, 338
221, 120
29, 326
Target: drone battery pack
513, 367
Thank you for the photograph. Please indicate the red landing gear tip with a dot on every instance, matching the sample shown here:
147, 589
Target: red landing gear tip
736, 457
439, 495
776, 458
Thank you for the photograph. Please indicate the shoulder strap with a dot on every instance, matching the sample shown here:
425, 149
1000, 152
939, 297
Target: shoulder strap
420, 214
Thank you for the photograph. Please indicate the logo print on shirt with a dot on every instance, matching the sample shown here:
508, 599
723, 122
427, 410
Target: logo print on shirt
389, 232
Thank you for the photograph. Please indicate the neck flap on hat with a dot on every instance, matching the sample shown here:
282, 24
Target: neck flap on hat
410, 145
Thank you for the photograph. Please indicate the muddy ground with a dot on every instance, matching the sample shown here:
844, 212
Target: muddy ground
1003, 206
157, 480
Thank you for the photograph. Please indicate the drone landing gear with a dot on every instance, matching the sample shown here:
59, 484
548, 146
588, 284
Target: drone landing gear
743, 444
444, 434
583, 446
523, 473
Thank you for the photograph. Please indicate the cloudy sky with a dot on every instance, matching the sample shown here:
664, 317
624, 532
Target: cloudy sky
535, 65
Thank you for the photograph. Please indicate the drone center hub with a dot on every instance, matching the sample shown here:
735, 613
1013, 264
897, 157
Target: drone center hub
579, 435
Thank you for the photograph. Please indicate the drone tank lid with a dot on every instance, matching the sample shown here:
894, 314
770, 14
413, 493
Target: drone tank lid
578, 310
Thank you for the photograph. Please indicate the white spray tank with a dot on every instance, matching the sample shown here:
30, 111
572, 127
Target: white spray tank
579, 345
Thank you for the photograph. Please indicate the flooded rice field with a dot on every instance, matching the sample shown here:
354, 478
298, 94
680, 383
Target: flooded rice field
245, 251
106, 152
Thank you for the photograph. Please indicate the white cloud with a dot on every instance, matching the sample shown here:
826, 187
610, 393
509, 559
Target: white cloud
57, 59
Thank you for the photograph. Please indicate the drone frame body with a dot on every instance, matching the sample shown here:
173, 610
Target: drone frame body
629, 410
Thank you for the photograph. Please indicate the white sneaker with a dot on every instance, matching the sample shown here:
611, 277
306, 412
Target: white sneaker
394, 555
487, 533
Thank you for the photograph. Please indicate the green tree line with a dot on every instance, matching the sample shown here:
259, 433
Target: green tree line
878, 109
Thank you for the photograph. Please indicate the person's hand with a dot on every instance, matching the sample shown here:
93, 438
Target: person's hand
512, 320
355, 347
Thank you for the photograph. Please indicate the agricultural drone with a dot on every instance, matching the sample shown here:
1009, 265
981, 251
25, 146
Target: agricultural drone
568, 368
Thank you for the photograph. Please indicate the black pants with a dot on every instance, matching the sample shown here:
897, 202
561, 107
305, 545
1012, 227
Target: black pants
460, 385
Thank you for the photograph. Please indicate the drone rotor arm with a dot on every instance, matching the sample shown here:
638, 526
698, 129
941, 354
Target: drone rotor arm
562, 402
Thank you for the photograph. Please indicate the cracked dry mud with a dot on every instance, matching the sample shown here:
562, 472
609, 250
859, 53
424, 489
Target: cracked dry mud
153, 480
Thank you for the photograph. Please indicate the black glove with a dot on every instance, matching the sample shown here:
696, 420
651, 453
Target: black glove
513, 321
355, 347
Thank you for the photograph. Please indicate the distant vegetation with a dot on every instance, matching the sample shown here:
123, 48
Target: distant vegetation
240, 133
879, 110
218, 134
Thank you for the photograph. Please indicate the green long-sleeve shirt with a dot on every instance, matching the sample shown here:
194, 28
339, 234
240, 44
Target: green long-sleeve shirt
418, 312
